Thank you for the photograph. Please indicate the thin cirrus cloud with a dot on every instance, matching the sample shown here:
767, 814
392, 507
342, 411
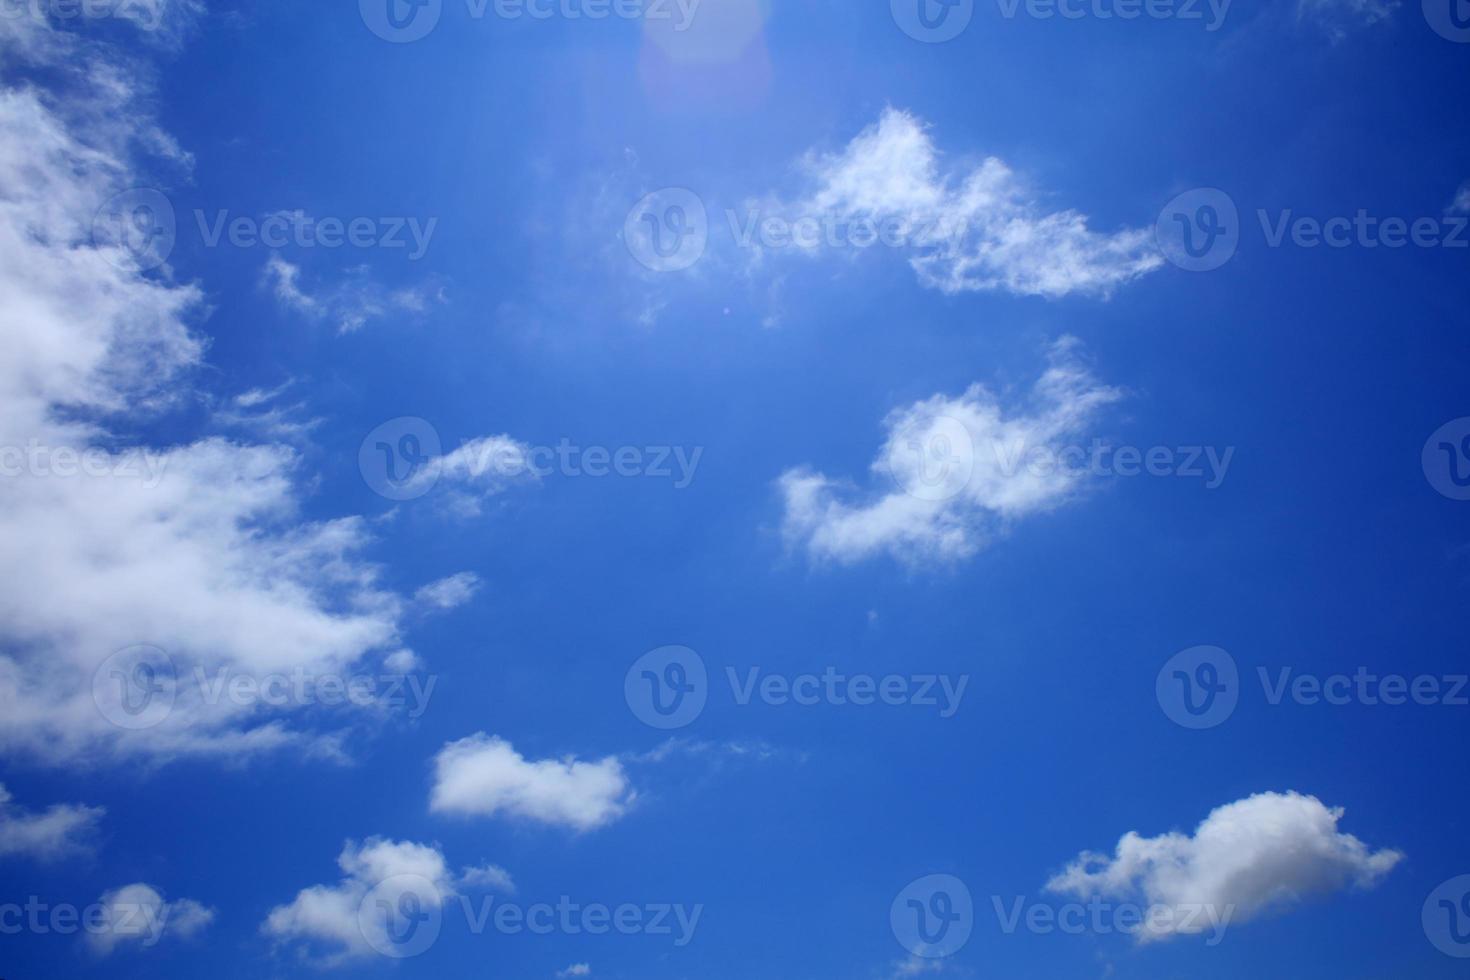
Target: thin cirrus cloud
484, 775
1267, 852
58, 831
966, 231
952, 472
351, 303
195, 548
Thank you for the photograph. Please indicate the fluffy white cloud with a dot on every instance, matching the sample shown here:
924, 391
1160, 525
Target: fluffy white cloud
576, 970
484, 776
196, 548
341, 921
1265, 852
450, 592
137, 914
964, 231
56, 832
959, 469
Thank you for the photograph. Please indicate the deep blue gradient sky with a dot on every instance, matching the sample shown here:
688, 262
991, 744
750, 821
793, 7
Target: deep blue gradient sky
1324, 548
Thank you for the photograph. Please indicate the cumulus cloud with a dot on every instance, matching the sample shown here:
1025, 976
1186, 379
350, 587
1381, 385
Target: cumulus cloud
196, 548
341, 922
958, 470
56, 832
964, 231
485, 776
138, 915
576, 970
448, 593
1269, 851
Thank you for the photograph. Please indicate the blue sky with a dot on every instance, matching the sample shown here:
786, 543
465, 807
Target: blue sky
609, 470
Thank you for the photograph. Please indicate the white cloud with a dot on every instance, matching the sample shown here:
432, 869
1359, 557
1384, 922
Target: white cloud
201, 552
968, 231
576, 970
56, 832
336, 918
1265, 852
351, 303
138, 914
958, 471
484, 776
466, 477
490, 876
450, 592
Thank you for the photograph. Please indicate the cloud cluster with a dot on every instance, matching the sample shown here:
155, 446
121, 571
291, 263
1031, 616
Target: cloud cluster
58, 831
340, 918
952, 470
205, 556
137, 914
484, 776
980, 230
1265, 852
